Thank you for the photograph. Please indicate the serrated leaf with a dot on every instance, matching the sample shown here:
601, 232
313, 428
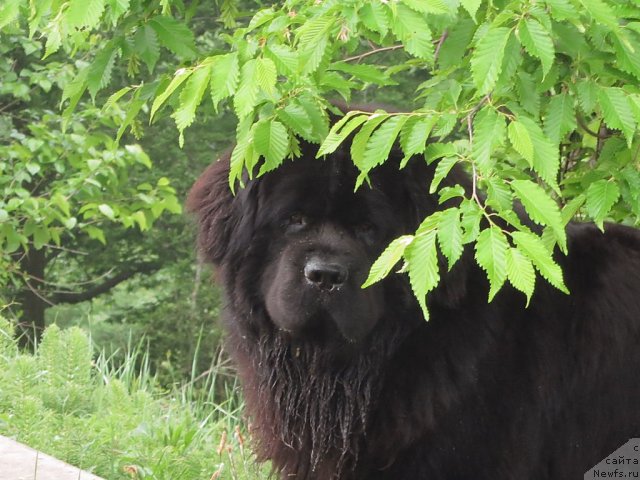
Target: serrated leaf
617, 111
414, 135
499, 195
84, 13
601, 196
363, 72
443, 168
628, 60
107, 211
601, 12
271, 141
317, 115
387, 260
560, 117
284, 57
179, 77
9, 11
471, 6
470, 221
521, 141
190, 97
587, 95
422, 261
533, 247
266, 75
541, 208
225, 73
434, 7
174, 35
99, 73
561, 9
546, 155
571, 208
338, 133
361, 139
486, 59
491, 255
375, 16
246, 96
146, 46
488, 133
414, 32
117, 8
380, 143
450, 235
538, 43
520, 272
295, 117
312, 43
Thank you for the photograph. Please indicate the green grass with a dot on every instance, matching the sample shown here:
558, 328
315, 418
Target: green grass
113, 419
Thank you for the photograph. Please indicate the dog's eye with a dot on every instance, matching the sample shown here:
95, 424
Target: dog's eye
296, 221
366, 230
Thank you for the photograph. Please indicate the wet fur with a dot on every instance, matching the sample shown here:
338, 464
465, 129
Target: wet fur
482, 391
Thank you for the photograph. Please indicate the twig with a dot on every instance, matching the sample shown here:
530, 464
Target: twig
372, 52
584, 126
443, 37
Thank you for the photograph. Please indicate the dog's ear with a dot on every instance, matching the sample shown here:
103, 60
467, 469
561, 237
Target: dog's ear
220, 215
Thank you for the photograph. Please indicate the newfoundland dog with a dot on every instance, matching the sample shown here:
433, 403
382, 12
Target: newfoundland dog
345, 383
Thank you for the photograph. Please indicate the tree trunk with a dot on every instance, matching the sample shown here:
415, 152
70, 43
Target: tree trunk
31, 322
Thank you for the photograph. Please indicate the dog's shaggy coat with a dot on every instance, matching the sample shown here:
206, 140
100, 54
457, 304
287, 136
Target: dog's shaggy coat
344, 383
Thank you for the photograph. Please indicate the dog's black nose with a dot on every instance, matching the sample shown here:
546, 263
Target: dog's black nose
325, 275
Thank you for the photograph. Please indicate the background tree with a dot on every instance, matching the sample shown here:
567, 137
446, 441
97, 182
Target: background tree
538, 100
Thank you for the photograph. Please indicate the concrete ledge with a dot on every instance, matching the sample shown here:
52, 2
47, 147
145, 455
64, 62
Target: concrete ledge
19, 462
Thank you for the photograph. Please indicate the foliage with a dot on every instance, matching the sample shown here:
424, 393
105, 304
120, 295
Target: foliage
112, 419
538, 100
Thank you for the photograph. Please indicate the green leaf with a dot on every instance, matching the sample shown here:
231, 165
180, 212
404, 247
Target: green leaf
361, 139
471, 6
295, 117
617, 111
541, 208
521, 141
387, 260
375, 16
84, 13
537, 42
450, 235
146, 46
443, 168
601, 13
570, 209
225, 73
100, 70
312, 43
422, 262
546, 155
380, 143
533, 247
414, 136
628, 60
364, 72
520, 272
266, 75
180, 76
560, 118
246, 96
271, 140
190, 97
174, 35
414, 32
470, 222
107, 211
340, 131
486, 60
491, 255
284, 57
601, 196
9, 11
317, 115
433, 7
488, 133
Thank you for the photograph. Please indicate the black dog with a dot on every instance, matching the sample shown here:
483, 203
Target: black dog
345, 383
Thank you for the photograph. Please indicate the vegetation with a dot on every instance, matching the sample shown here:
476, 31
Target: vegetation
539, 100
114, 419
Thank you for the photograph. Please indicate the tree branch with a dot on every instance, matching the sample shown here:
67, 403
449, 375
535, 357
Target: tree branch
104, 287
372, 52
